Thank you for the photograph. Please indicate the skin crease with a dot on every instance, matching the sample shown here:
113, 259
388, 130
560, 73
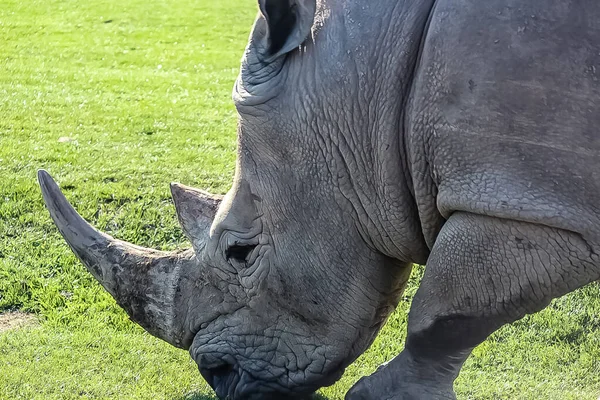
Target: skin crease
373, 135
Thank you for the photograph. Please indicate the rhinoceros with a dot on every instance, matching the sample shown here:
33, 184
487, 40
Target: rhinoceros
459, 134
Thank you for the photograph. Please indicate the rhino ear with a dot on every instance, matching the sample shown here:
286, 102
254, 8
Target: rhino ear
288, 24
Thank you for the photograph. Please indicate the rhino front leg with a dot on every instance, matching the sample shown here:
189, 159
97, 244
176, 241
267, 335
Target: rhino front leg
483, 273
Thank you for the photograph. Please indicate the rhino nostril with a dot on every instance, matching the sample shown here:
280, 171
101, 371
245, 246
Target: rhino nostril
239, 252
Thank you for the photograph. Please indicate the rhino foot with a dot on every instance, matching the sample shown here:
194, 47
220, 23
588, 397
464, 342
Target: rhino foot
393, 382
365, 390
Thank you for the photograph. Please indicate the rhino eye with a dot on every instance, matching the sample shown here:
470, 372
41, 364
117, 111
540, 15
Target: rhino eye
239, 252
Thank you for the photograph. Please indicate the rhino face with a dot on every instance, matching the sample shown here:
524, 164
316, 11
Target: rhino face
283, 288
303, 294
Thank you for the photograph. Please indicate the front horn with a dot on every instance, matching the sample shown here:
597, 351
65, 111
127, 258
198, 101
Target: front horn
143, 281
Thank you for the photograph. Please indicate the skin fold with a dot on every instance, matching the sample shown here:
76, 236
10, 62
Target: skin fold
374, 135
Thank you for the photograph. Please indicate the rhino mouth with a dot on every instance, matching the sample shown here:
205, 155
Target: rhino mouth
250, 379
232, 383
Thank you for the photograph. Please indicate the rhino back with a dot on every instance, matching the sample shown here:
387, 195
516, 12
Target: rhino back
504, 113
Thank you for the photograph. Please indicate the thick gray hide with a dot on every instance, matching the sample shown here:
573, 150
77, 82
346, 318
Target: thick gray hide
375, 134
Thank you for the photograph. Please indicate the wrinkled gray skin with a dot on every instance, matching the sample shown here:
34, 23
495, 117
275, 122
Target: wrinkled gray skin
375, 134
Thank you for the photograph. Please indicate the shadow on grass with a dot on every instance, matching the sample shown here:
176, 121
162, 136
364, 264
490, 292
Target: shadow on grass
201, 396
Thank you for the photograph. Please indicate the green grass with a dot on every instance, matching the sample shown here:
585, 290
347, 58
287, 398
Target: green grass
141, 89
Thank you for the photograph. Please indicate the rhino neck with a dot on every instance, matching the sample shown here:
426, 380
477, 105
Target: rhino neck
380, 189
371, 147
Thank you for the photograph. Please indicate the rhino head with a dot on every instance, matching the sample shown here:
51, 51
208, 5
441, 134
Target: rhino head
292, 273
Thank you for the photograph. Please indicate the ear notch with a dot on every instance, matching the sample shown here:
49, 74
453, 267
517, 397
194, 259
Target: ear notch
288, 24
196, 210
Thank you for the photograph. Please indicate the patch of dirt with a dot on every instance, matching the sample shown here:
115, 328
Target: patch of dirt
15, 320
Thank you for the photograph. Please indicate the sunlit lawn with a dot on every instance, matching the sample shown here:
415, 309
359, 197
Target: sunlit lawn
117, 99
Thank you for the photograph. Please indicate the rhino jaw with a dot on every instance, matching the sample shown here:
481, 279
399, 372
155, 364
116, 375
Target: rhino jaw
143, 281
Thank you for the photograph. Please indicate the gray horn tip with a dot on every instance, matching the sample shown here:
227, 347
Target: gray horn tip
50, 190
177, 189
182, 193
72, 226
44, 177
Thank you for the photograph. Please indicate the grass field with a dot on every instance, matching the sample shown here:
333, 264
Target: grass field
117, 99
